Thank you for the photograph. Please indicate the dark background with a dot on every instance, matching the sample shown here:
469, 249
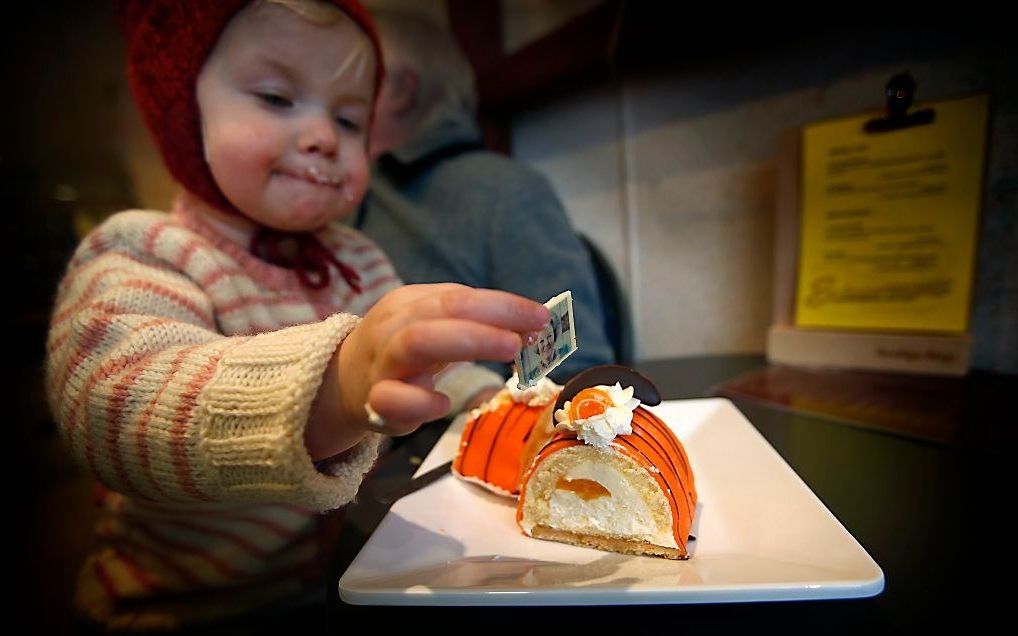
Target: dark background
62, 66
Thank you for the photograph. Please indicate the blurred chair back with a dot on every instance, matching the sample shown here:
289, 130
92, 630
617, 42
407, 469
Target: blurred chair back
615, 308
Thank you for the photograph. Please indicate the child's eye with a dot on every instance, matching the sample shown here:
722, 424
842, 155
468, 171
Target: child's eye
274, 100
349, 124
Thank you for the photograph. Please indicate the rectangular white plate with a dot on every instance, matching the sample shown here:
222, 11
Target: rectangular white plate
762, 535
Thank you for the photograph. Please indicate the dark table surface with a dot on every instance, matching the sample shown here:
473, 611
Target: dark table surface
928, 513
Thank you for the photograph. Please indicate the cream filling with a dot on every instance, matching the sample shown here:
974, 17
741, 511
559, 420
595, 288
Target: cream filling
625, 514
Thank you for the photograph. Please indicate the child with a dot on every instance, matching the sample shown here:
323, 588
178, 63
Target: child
221, 394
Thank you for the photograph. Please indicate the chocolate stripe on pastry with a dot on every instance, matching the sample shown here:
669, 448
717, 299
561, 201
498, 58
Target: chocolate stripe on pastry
668, 483
515, 413
461, 454
646, 447
685, 477
680, 481
663, 431
671, 482
492, 444
608, 374
480, 441
506, 467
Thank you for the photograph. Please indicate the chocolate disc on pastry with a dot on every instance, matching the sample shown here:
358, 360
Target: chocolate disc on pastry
608, 374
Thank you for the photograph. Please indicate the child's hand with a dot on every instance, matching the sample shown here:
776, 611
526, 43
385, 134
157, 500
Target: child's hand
390, 359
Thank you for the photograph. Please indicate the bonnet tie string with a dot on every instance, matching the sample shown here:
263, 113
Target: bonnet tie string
307, 256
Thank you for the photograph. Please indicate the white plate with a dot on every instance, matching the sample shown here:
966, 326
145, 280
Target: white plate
762, 535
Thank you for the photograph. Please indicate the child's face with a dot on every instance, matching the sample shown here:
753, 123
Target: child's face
285, 106
546, 346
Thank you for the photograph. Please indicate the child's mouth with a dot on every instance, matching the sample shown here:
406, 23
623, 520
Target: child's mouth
314, 176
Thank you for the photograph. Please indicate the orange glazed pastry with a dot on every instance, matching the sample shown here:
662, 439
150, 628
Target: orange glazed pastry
496, 433
613, 476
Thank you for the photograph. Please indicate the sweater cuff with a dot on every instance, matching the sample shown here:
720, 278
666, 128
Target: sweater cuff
255, 409
463, 380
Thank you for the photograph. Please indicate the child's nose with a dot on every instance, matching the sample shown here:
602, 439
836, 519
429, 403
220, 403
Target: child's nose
318, 135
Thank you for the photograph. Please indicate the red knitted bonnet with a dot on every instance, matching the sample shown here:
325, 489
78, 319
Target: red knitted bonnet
168, 42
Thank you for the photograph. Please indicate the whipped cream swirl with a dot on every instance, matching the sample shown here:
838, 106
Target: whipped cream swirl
540, 394
599, 430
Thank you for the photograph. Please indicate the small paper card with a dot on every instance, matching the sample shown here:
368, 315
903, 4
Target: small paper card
554, 344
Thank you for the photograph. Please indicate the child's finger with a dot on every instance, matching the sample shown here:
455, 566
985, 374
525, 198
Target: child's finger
403, 407
530, 337
421, 346
488, 306
425, 380
492, 307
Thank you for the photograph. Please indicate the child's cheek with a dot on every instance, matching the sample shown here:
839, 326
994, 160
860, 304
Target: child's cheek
240, 148
256, 148
357, 177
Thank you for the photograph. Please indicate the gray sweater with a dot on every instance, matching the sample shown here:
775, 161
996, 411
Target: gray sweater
445, 210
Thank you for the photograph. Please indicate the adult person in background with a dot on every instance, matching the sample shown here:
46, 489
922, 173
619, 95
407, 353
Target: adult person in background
445, 209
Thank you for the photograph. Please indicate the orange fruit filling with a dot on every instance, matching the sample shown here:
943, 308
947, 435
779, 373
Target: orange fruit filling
585, 489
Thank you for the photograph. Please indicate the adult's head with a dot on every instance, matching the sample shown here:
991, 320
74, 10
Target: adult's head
428, 79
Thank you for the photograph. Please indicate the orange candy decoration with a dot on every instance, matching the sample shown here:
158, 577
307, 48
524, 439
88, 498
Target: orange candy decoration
588, 403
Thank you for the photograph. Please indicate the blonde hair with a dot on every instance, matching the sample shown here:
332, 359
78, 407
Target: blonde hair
324, 13
314, 11
447, 85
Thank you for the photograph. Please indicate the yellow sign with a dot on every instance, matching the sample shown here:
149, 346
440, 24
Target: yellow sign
889, 221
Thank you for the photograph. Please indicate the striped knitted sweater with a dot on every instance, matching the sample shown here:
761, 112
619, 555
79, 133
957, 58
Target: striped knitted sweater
181, 371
